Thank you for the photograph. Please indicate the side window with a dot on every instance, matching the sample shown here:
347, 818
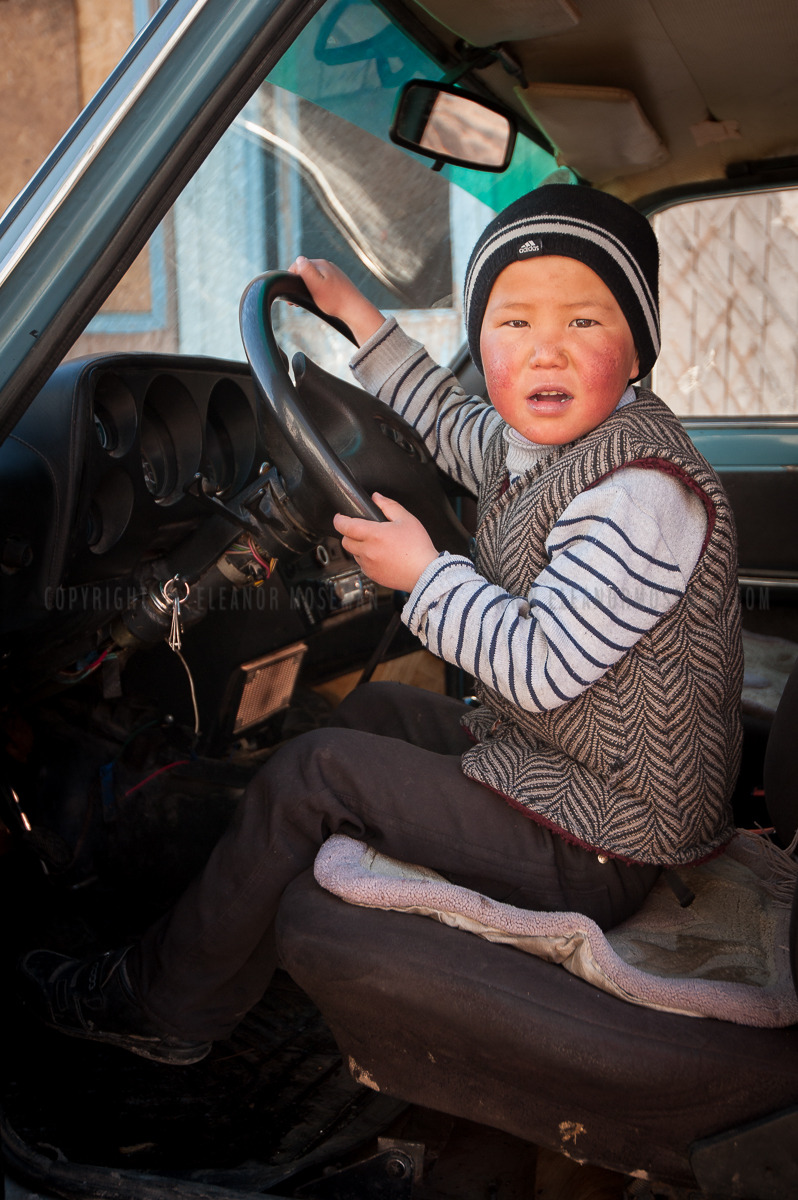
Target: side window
729, 305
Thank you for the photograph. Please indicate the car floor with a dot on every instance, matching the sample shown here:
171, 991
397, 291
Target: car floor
270, 1109
272, 1098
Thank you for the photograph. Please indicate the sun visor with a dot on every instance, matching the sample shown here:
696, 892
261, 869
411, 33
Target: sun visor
488, 24
601, 132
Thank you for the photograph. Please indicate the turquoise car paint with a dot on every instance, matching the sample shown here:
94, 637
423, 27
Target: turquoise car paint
753, 445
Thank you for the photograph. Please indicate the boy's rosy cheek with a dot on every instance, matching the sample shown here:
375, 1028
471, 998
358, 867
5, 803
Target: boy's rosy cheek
499, 373
604, 367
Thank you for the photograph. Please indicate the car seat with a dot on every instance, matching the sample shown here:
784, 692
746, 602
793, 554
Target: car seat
449, 1021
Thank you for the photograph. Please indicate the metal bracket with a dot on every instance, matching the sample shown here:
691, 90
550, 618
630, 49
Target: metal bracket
385, 1176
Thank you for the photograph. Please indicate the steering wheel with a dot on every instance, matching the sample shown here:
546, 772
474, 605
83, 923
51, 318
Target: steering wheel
332, 443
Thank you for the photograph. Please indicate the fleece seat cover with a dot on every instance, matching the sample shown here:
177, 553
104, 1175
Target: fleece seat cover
725, 956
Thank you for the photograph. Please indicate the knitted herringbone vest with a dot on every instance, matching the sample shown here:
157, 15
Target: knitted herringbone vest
641, 764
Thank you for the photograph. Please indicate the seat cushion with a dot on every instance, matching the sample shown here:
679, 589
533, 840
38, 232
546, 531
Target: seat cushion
486, 1032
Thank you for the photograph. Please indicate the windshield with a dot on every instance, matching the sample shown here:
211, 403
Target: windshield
307, 167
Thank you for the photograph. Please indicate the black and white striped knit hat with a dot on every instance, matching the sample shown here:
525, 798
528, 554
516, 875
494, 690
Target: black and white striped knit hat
609, 236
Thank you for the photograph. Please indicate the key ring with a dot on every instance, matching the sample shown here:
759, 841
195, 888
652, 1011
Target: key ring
169, 590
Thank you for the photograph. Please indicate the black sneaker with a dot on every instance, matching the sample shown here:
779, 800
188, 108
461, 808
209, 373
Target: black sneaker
93, 998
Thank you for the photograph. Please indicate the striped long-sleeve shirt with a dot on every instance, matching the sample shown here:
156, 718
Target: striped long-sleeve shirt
620, 555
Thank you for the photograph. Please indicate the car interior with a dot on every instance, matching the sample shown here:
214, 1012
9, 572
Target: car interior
175, 603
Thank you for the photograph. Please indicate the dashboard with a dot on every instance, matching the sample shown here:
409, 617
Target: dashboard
129, 471
131, 453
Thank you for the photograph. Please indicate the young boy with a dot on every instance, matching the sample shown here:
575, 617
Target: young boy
599, 617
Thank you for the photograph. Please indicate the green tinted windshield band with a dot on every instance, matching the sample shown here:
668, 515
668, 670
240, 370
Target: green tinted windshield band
351, 60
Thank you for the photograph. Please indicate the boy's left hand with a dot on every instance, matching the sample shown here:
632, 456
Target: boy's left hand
394, 552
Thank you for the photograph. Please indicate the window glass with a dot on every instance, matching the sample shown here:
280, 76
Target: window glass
729, 305
307, 167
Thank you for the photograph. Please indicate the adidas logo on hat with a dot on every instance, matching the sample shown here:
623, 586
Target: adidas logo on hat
530, 247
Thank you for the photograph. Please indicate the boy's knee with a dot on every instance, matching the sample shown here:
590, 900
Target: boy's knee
301, 776
308, 761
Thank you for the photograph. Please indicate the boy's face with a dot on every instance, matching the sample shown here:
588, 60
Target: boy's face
556, 349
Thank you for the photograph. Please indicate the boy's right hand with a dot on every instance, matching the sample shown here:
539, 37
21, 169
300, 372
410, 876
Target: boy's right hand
335, 294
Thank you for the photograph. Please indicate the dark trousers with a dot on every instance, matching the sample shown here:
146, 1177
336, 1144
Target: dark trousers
388, 772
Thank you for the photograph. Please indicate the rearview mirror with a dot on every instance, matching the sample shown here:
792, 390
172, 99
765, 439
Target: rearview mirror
449, 125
